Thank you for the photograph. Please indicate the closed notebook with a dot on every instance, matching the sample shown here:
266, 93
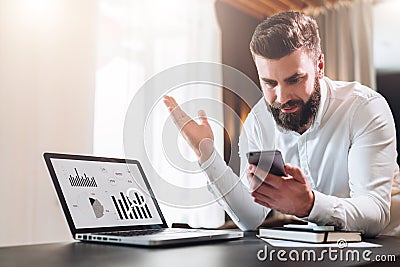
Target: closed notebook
309, 235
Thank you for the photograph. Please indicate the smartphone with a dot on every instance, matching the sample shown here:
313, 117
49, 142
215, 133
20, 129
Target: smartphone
270, 161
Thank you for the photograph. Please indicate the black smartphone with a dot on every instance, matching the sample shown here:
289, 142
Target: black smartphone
270, 161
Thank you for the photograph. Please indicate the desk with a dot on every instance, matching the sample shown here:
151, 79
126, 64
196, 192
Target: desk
241, 252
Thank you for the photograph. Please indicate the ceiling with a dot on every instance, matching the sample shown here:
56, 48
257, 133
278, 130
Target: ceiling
261, 9
385, 17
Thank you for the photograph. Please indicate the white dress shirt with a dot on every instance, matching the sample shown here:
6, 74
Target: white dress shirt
348, 155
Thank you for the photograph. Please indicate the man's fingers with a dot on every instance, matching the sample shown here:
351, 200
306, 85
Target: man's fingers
203, 117
254, 182
296, 173
258, 171
263, 200
178, 115
268, 178
169, 103
174, 101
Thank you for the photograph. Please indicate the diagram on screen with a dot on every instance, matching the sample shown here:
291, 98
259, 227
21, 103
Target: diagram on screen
97, 207
132, 205
82, 181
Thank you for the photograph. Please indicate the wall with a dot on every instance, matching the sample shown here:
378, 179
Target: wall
47, 64
386, 38
236, 31
388, 86
387, 55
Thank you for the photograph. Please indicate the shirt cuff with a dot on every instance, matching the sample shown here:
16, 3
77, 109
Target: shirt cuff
214, 166
326, 210
231, 194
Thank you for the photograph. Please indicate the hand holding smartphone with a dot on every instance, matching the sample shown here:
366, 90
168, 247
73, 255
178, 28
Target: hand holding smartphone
270, 161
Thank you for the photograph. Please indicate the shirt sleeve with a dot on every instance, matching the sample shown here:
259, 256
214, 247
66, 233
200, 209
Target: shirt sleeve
232, 194
230, 190
371, 167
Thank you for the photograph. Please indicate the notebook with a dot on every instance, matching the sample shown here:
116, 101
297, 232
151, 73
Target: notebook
317, 234
110, 200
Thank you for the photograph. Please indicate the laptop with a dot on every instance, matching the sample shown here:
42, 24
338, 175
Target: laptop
110, 200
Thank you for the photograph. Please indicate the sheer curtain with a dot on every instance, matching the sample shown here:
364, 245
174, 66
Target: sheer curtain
137, 40
346, 31
47, 75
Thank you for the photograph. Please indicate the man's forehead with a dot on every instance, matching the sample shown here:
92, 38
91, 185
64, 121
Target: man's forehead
285, 67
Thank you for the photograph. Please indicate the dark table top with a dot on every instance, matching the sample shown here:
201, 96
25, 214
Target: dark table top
240, 252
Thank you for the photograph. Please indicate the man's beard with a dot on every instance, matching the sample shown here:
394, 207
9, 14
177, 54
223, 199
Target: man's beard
305, 114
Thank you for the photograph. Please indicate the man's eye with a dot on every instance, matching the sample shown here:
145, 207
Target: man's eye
270, 84
293, 80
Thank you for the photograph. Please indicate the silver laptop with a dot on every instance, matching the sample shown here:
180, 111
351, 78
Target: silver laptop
110, 200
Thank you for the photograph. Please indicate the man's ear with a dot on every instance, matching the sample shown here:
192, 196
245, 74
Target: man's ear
321, 66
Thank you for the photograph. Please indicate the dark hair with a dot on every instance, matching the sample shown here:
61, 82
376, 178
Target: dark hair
283, 33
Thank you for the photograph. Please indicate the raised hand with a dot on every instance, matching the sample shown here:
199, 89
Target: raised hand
199, 136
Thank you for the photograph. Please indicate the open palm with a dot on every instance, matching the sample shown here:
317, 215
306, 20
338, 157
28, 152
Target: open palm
199, 135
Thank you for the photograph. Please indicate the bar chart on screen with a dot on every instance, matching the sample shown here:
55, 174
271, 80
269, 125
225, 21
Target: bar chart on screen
82, 181
132, 207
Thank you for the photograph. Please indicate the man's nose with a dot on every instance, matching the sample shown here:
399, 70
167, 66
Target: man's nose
282, 95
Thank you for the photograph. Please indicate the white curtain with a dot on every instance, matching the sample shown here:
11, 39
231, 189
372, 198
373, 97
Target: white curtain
137, 40
346, 31
47, 75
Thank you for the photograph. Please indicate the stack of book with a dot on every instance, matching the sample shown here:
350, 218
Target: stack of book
311, 233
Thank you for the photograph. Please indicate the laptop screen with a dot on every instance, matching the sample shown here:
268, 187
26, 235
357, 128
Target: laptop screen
101, 193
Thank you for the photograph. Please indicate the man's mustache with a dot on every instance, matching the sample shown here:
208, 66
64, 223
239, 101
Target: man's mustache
287, 105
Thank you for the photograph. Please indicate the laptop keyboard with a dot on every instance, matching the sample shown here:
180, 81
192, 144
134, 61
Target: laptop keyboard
148, 232
132, 233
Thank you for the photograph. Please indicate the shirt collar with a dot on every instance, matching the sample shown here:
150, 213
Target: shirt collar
323, 102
